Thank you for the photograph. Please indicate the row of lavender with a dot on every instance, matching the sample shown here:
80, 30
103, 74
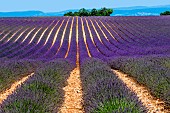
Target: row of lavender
50, 38
126, 38
151, 71
47, 42
102, 90
41, 93
12, 70
28, 37
95, 39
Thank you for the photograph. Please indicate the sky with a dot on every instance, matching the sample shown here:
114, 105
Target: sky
60, 5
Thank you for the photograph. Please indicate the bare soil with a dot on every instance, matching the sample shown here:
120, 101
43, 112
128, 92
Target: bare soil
151, 103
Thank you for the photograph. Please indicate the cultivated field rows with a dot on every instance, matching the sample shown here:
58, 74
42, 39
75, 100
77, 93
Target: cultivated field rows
52, 48
50, 38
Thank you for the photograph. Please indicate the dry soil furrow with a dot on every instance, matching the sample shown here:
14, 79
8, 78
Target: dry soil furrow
152, 104
4, 95
73, 94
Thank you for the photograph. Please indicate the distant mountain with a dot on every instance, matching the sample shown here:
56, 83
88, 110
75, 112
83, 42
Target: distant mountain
140, 11
122, 11
21, 14
131, 8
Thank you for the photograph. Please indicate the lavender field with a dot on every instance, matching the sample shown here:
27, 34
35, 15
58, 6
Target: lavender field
52, 47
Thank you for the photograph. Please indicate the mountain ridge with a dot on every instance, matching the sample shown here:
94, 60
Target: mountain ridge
120, 11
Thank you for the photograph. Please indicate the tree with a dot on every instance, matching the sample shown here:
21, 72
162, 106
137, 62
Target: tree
102, 11
105, 12
69, 14
165, 13
110, 11
76, 14
83, 12
93, 12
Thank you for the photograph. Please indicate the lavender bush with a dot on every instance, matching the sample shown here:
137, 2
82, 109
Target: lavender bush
12, 70
154, 72
43, 92
104, 92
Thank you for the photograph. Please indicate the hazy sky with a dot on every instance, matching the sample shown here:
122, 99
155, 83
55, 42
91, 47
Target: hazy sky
59, 5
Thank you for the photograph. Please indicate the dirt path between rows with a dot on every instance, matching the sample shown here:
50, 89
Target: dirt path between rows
14, 86
152, 104
73, 102
73, 98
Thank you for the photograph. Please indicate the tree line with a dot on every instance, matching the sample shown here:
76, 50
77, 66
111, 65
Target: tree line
94, 12
165, 13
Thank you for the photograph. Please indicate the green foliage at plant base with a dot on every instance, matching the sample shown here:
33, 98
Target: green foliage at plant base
114, 105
